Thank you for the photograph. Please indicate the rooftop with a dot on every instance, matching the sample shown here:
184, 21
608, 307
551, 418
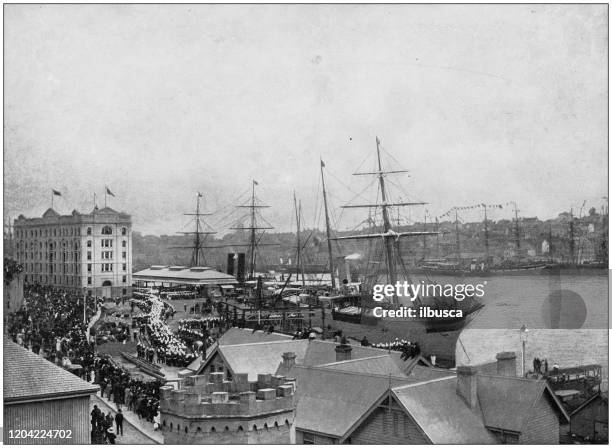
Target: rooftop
51, 215
197, 275
43, 381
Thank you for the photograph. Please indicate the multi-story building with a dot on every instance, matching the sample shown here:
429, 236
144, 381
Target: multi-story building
88, 252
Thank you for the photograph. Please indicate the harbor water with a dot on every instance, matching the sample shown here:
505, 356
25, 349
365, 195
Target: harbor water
511, 302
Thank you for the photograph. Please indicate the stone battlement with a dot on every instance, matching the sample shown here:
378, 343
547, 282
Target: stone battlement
212, 396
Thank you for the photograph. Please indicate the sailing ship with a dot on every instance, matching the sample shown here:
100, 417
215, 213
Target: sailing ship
391, 269
199, 235
575, 265
484, 268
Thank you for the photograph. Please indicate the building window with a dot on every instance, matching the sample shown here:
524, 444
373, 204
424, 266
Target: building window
88, 243
88, 267
124, 278
123, 231
89, 255
107, 230
124, 243
89, 280
124, 255
124, 267
309, 439
88, 231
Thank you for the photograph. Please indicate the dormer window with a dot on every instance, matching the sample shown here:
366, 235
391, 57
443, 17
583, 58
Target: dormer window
107, 230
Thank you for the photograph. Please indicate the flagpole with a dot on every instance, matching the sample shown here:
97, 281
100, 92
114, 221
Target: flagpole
104, 196
52, 194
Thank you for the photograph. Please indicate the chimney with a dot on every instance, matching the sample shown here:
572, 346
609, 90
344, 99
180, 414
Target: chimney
347, 269
467, 385
343, 352
288, 360
506, 363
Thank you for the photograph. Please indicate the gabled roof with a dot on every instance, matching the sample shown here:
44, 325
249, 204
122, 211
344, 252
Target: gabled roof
253, 352
507, 402
331, 401
324, 352
258, 357
50, 213
246, 336
28, 376
380, 365
107, 211
441, 414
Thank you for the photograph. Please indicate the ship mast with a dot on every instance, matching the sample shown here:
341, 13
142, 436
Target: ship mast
457, 247
550, 244
298, 212
424, 236
517, 233
327, 229
389, 236
392, 276
253, 228
197, 254
254, 242
252, 246
486, 234
571, 236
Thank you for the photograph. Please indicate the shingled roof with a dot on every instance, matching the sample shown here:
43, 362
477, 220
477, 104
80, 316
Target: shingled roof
441, 413
28, 376
520, 396
331, 401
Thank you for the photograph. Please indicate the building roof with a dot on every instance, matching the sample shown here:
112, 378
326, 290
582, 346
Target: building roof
197, 275
246, 351
378, 365
28, 376
331, 401
441, 414
520, 395
602, 396
104, 215
260, 357
246, 335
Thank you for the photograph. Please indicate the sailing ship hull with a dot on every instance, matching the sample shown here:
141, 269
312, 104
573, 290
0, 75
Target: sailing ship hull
441, 341
518, 271
577, 269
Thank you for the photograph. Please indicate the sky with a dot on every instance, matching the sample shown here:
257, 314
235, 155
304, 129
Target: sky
480, 103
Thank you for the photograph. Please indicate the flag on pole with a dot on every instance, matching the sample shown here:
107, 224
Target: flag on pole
109, 192
55, 192
255, 182
377, 140
200, 195
322, 164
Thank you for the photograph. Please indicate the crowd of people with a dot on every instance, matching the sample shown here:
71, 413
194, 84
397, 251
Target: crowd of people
117, 385
50, 323
408, 349
157, 342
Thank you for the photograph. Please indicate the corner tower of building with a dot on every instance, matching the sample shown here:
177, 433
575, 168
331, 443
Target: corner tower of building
209, 409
